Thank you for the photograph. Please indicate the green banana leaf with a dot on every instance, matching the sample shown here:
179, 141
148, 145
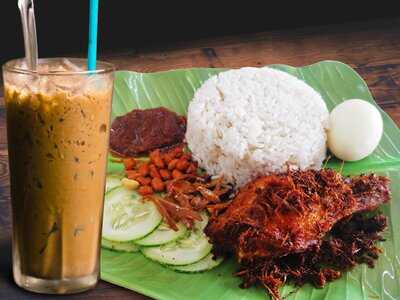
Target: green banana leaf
335, 82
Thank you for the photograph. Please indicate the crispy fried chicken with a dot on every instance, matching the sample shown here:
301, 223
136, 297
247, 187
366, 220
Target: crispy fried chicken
351, 241
277, 216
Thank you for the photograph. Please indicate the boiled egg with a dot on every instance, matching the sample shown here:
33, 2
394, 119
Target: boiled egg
355, 129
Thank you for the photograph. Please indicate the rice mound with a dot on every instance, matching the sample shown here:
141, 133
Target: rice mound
254, 121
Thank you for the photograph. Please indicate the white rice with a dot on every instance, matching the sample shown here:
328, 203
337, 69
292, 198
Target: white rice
249, 122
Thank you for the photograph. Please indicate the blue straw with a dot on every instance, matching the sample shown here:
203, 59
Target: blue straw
92, 46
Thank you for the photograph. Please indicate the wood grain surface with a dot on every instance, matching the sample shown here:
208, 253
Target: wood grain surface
372, 48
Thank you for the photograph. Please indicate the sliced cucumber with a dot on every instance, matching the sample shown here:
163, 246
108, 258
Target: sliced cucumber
200, 225
162, 235
127, 216
112, 181
185, 251
205, 264
119, 246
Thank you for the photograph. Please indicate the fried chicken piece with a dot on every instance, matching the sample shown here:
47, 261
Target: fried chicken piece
277, 215
351, 241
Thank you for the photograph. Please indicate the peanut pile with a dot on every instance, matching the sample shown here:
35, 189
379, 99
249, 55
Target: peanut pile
163, 167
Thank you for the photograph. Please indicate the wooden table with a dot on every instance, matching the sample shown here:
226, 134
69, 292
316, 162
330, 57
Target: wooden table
372, 48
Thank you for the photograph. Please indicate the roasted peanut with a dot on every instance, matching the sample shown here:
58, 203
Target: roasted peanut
143, 180
176, 174
144, 169
155, 157
172, 164
165, 174
182, 164
129, 163
159, 162
145, 190
154, 172
169, 156
157, 184
132, 174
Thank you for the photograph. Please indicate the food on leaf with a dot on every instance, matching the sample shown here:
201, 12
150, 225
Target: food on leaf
279, 215
143, 130
259, 136
351, 241
255, 121
152, 175
355, 129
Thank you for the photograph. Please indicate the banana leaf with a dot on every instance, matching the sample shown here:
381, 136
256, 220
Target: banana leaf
335, 82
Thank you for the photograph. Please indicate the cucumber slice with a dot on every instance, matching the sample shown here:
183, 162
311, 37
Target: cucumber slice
127, 216
119, 246
184, 251
200, 225
112, 181
162, 235
205, 264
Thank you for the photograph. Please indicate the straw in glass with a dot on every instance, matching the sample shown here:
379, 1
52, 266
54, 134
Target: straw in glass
26, 8
93, 24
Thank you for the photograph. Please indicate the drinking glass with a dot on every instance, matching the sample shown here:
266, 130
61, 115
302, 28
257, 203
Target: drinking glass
58, 120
